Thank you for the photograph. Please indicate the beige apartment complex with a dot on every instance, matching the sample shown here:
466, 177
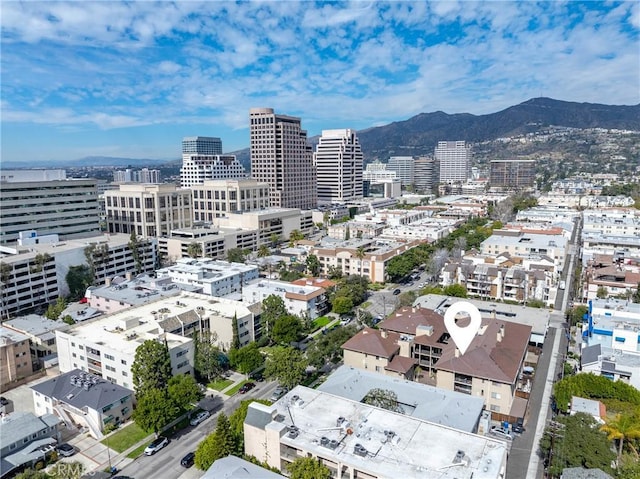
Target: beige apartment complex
15, 354
149, 210
281, 157
217, 198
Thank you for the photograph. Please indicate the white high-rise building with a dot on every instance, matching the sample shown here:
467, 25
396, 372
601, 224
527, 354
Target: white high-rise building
338, 159
281, 157
454, 158
404, 168
202, 160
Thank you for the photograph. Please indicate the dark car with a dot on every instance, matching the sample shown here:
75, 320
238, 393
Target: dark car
187, 461
397, 292
246, 387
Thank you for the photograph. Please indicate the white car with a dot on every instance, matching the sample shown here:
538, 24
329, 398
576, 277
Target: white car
199, 418
278, 393
156, 445
501, 433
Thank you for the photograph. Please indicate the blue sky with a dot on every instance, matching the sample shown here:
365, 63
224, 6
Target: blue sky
131, 79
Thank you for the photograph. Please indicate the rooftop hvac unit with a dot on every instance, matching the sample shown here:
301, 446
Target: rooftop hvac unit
339, 421
293, 432
333, 444
324, 441
360, 450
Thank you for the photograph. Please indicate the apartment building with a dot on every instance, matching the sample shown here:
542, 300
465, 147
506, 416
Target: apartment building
454, 161
364, 257
148, 210
16, 357
84, 400
41, 334
527, 243
611, 363
614, 324
612, 222
404, 166
338, 160
616, 277
413, 337
47, 201
512, 174
356, 440
307, 301
281, 157
210, 277
217, 198
198, 168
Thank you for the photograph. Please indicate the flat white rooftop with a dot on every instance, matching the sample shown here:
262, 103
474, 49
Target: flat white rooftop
396, 445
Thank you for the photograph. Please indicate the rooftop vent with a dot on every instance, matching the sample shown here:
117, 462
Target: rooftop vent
324, 441
293, 432
459, 457
339, 421
279, 418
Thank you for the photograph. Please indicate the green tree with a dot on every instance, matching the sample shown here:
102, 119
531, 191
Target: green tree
207, 356
328, 347
217, 445
274, 238
636, 295
286, 329
407, 298
294, 237
151, 368
308, 468
246, 359
273, 307
576, 441
334, 272
40, 262
576, 314
456, 290
236, 422
602, 292
263, 251
383, 398
134, 246
79, 278
592, 386
183, 391
623, 427
54, 311
68, 320
154, 410
32, 474
5, 277
236, 255
287, 365
194, 250
342, 305
313, 265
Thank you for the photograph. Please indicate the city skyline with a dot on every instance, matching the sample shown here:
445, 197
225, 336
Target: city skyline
132, 79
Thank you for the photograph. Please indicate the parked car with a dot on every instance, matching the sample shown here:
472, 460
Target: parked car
397, 292
66, 450
501, 433
156, 445
518, 427
422, 285
201, 416
278, 393
246, 387
187, 461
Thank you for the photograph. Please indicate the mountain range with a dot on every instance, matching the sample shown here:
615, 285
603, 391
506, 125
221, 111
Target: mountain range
419, 134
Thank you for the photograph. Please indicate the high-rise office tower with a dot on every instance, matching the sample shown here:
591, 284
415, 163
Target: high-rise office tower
201, 145
404, 168
338, 159
454, 159
425, 174
512, 173
281, 157
202, 160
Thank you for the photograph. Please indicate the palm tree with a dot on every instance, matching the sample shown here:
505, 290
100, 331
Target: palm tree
5, 276
623, 426
263, 251
194, 249
360, 255
40, 261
